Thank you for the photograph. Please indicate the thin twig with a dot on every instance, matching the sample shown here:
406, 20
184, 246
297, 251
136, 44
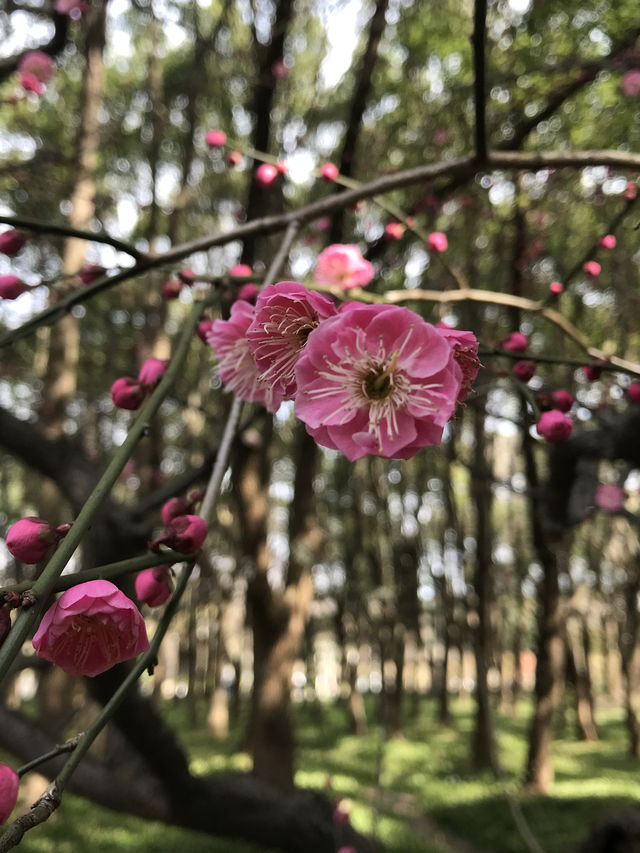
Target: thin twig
68, 746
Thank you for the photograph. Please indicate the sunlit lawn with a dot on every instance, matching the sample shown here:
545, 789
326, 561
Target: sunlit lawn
430, 764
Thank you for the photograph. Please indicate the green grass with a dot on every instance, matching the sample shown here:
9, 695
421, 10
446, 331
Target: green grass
428, 769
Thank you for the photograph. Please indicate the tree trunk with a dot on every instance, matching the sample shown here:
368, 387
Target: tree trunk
627, 640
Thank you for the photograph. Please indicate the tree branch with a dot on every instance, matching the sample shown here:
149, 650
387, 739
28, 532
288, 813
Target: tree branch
479, 80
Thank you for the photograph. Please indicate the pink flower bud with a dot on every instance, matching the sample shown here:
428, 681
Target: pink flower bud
592, 372
607, 242
631, 83
127, 393
9, 784
329, 171
37, 63
31, 539
516, 342
633, 392
73, 8
554, 425
152, 586
249, 292
30, 83
631, 191
204, 327
437, 242
11, 286
592, 269
234, 158
187, 276
11, 242
266, 174
91, 272
394, 231
215, 138
556, 288
171, 289
524, 370
184, 533
241, 269
90, 628
609, 498
561, 400
151, 371
282, 167
174, 507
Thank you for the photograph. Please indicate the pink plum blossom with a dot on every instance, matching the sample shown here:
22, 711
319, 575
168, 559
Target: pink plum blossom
234, 158
215, 138
91, 272
128, 393
609, 498
241, 270
73, 8
153, 586
11, 286
562, 400
465, 351
236, 366
30, 83
516, 342
554, 425
376, 379
607, 242
394, 230
591, 372
556, 288
592, 269
342, 265
184, 533
179, 506
249, 292
633, 392
151, 371
631, 83
171, 289
524, 370
90, 628
9, 784
37, 63
11, 242
31, 539
329, 171
285, 314
266, 174
437, 242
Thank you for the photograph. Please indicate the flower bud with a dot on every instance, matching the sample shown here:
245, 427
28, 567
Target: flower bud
184, 533
561, 400
633, 392
31, 538
437, 242
9, 784
249, 292
592, 372
524, 370
554, 426
329, 171
394, 230
204, 327
174, 507
556, 288
607, 242
234, 158
171, 289
516, 342
152, 586
11, 242
91, 272
127, 393
266, 174
11, 286
151, 371
592, 269
30, 83
215, 138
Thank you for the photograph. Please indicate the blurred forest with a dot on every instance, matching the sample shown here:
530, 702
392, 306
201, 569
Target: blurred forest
484, 568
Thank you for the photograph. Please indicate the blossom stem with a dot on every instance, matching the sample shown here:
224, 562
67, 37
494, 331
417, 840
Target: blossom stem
44, 585
68, 746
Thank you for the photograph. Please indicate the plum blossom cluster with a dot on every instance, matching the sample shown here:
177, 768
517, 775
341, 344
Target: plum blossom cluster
128, 393
34, 71
365, 379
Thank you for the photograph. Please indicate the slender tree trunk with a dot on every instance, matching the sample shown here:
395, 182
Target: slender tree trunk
578, 654
627, 640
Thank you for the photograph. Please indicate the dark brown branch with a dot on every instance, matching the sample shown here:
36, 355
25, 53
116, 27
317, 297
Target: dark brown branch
479, 81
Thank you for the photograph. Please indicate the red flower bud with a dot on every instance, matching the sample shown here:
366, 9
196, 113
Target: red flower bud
437, 242
174, 507
11, 286
607, 242
184, 533
329, 171
127, 393
516, 342
91, 272
215, 138
9, 784
249, 292
31, 538
524, 370
561, 400
266, 174
171, 289
11, 242
153, 587
633, 392
151, 371
234, 158
592, 269
554, 426
592, 372
556, 288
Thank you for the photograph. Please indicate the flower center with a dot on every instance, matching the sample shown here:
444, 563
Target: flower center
377, 385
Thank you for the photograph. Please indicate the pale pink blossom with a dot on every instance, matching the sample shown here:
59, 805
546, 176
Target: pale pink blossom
37, 63
9, 784
153, 586
376, 379
609, 498
465, 347
90, 628
236, 366
554, 425
285, 314
31, 539
437, 242
11, 286
342, 265
631, 83
266, 174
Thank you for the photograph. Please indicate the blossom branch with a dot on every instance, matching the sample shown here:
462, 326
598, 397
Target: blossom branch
44, 807
68, 746
52, 571
39, 227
